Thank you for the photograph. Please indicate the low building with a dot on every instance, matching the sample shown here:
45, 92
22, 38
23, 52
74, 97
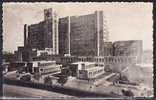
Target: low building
17, 66
44, 67
102, 59
88, 70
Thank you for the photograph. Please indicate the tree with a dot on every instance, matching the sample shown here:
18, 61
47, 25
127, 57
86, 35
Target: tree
123, 78
26, 77
37, 76
48, 81
69, 73
62, 79
127, 92
107, 68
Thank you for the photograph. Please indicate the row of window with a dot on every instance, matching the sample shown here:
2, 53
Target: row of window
95, 72
107, 59
89, 66
46, 64
50, 70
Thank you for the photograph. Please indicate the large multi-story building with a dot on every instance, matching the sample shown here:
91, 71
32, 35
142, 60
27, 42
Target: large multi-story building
85, 35
44, 34
82, 35
73, 35
64, 36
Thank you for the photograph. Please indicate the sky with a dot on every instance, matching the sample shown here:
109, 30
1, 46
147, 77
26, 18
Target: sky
125, 21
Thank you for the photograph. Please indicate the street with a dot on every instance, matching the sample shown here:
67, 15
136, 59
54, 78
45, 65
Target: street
24, 92
102, 87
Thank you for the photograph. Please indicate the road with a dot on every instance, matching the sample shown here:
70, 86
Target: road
87, 86
100, 86
24, 92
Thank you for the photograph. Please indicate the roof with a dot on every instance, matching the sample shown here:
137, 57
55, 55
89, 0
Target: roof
86, 63
50, 66
94, 68
43, 61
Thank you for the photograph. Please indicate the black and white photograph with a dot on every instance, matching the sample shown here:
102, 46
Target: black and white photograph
77, 50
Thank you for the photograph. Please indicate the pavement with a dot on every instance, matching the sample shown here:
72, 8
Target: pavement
24, 92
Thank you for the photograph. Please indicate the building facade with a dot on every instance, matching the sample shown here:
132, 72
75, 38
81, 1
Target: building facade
82, 35
44, 34
64, 35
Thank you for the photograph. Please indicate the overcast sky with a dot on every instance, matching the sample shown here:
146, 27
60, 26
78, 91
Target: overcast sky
126, 21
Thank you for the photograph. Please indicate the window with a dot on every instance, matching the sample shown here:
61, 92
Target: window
36, 70
80, 72
41, 70
83, 66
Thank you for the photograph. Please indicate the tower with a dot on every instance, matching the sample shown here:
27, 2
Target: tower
51, 30
101, 31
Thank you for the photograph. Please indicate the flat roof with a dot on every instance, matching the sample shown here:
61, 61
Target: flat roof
93, 68
86, 63
51, 66
42, 61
